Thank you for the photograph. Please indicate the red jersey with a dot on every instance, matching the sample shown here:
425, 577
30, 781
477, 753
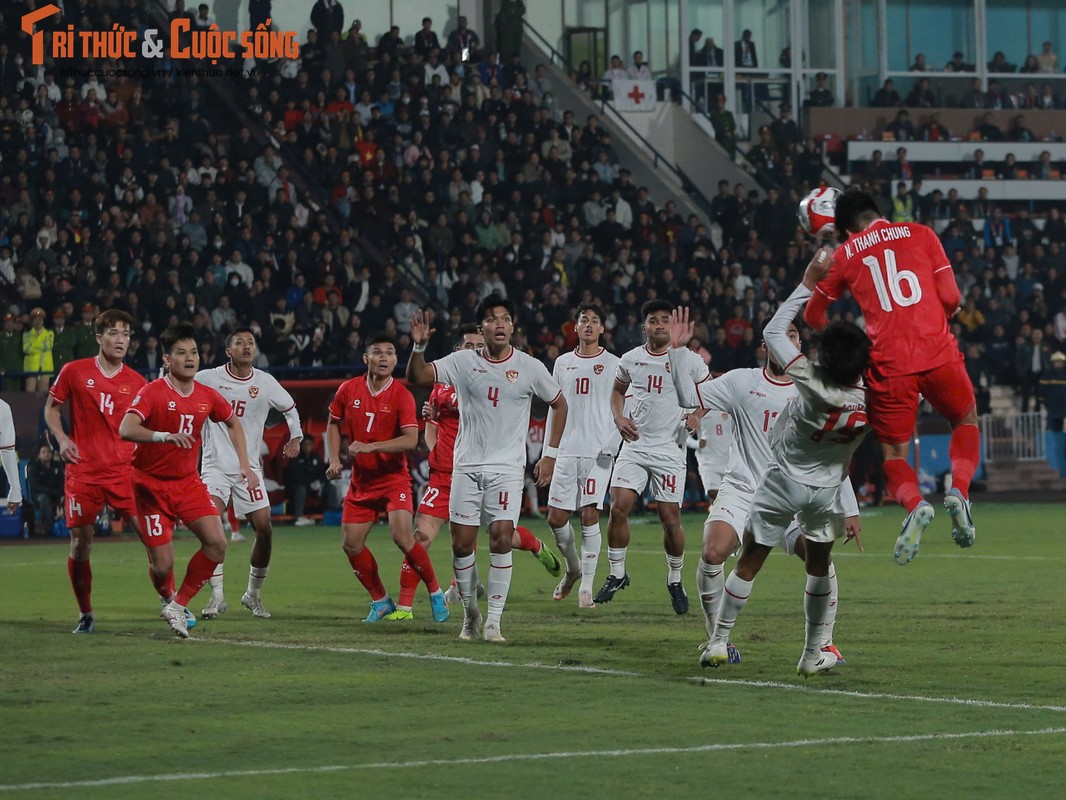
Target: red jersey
368, 417
163, 408
97, 405
891, 270
443, 397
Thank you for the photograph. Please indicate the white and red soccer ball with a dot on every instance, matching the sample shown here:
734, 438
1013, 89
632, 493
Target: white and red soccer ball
817, 210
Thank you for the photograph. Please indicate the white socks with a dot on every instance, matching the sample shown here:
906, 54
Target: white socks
616, 557
465, 569
256, 576
674, 566
215, 581
499, 584
815, 608
564, 537
734, 598
710, 583
831, 612
591, 540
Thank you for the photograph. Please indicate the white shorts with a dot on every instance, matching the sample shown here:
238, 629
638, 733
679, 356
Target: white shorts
579, 482
666, 470
778, 499
711, 476
485, 497
733, 507
231, 488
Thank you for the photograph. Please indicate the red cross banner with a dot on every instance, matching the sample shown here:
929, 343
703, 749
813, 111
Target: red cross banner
634, 95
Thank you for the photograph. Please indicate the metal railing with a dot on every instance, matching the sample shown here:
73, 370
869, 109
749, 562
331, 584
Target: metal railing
1014, 437
658, 159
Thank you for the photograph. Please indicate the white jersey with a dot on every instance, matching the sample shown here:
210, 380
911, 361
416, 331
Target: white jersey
716, 433
7, 427
8, 455
586, 382
494, 403
653, 402
754, 399
822, 426
252, 398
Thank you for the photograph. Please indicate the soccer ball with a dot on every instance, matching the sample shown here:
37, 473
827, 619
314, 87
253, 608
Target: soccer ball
818, 209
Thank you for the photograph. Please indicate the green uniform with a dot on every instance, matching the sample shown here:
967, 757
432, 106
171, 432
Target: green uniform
10, 351
85, 345
65, 346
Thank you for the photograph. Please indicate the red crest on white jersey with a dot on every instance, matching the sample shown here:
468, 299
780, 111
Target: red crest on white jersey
253, 392
512, 375
598, 369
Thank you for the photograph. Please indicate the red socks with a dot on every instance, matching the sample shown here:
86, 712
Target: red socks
365, 568
409, 581
418, 558
199, 571
965, 453
902, 483
81, 579
527, 541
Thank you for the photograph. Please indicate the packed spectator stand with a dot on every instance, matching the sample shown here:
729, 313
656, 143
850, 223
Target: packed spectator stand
323, 199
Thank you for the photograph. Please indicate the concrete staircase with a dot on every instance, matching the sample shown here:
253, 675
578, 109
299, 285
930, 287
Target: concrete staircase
1002, 401
1023, 476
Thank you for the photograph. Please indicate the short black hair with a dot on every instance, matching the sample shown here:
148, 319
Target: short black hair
469, 329
843, 352
379, 338
494, 301
243, 329
111, 318
595, 309
176, 333
850, 206
654, 306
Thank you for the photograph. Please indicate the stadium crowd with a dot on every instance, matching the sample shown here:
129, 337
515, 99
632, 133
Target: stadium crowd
368, 178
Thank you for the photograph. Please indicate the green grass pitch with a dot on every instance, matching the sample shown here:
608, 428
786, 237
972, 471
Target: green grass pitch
953, 686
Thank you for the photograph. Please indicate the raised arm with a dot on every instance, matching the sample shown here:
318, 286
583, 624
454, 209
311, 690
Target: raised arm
776, 332
420, 373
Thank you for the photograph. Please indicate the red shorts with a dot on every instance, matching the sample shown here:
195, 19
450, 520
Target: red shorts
435, 498
893, 401
160, 504
364, 503
85, 500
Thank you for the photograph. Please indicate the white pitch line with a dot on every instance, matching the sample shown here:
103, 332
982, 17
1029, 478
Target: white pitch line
519, 757
617, 673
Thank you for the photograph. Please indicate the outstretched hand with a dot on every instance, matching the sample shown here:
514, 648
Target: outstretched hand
681, 328
420, 326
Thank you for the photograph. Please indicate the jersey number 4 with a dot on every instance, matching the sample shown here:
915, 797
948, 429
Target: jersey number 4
853, 425
896, 286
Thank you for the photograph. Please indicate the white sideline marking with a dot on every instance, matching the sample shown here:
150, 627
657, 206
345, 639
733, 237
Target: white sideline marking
618, 673
518, 757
